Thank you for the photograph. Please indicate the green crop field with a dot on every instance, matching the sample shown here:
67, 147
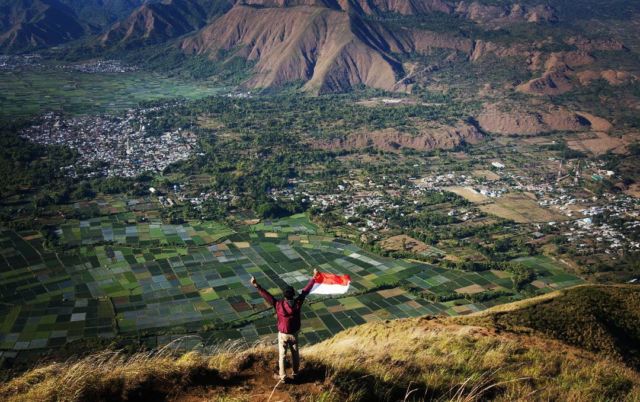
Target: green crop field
114, 277
550, 272
33, 92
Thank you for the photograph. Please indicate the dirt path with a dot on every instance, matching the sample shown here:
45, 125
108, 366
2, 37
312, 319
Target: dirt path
255, 382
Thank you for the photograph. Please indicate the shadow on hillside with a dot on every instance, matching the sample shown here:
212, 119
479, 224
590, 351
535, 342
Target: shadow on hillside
265, 365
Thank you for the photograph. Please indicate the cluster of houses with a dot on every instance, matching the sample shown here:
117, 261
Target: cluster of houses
592, 238
366, 203
13, 62
592, 235
100, 66
113, 145
352, 197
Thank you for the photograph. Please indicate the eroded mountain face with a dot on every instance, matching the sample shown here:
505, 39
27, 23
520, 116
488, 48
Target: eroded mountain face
335, 46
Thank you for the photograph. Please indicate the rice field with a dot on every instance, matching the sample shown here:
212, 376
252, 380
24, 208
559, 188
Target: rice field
33, 92
118, 278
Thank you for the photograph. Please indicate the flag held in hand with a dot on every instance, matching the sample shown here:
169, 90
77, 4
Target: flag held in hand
330, 284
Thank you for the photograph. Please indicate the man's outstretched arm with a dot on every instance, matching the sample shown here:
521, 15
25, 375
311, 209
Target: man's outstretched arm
263, 292
305, 291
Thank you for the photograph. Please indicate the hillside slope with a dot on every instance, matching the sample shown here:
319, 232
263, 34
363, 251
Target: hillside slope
154, 23
426, 358
310, 44
103, 12
603, 319
324, 46
32, 24
326, 49
334, 46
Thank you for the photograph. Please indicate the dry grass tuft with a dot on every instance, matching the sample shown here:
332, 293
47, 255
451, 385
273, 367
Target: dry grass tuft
420, 359
114, 376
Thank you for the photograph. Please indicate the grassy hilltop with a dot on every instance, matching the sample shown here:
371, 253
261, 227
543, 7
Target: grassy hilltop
505, 353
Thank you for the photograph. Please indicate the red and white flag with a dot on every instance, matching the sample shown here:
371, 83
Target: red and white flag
330, 284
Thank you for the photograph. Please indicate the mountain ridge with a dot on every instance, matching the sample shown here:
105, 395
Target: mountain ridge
329, 50
327, 46
104, 12
33, 24
155, 22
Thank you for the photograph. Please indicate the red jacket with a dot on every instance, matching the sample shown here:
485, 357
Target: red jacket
288, 311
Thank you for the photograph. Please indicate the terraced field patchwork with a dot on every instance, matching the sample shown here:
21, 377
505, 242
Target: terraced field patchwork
121, 278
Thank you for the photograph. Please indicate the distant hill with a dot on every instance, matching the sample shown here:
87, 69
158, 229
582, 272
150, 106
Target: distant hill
158, 22
418, 359
327, 49
31, 24
331, 46
335, 46
533, 47
101, 13
315, 45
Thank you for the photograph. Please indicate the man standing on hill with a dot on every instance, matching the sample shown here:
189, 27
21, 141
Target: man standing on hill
288, 312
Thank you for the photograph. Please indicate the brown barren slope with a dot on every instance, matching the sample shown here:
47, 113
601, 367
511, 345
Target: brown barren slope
368, 7
327, 49
497, 120
311, 44
393, 140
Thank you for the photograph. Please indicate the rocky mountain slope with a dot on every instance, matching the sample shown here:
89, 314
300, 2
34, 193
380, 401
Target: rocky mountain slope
102, 13
337, 45
493, 14
531, 350
332, 47
326, 49
158, 22
32, 24
316, 45
154, 23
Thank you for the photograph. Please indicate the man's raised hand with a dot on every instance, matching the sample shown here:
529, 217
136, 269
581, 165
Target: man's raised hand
253, 282
315, 272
